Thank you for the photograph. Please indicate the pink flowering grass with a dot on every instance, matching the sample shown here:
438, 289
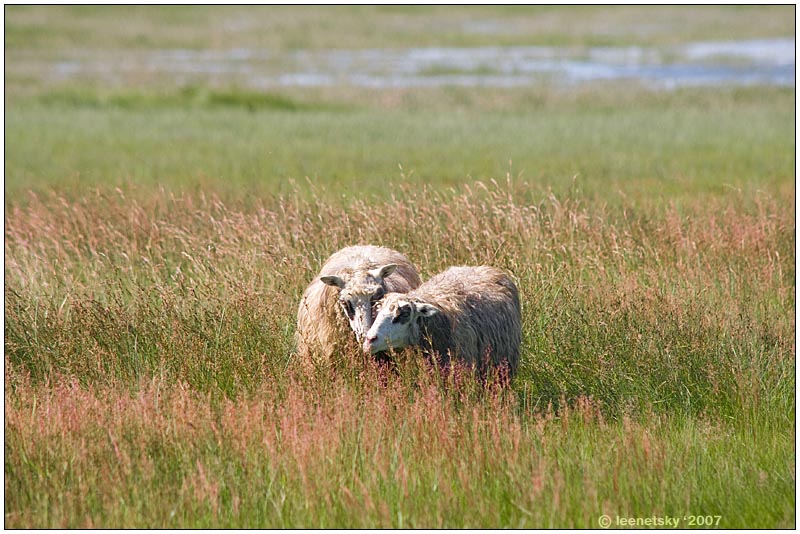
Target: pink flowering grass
351, 454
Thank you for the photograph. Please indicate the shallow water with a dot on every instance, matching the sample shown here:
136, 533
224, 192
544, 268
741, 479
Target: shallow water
765, 62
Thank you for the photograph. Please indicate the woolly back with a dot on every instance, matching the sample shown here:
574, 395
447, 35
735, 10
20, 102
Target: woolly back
480, 315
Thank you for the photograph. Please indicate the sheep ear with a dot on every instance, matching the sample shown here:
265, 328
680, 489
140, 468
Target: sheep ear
384, 271
426, 310
332, 280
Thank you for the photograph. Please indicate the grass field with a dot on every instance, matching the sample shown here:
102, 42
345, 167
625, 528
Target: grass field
158, 237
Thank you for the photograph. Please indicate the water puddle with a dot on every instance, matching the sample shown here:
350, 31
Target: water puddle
756, 62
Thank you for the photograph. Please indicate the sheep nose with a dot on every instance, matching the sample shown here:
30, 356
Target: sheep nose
367, 346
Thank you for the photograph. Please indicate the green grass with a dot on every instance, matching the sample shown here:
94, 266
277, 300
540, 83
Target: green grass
652, 148
46, 28
158, 238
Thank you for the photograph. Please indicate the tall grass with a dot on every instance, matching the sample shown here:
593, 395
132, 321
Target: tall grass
357, 455
150, 379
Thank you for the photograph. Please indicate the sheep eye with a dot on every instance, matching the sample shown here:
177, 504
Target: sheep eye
402, 315
378, 295
348, 307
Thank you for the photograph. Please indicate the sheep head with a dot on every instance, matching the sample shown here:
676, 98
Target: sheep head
396, 323
358, 293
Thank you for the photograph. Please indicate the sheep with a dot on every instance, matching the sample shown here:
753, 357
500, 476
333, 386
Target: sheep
471, 314
348, 285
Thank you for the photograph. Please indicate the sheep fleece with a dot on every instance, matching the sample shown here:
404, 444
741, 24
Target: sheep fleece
480, 315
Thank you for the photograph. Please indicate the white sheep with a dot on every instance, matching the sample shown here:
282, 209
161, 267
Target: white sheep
469, 313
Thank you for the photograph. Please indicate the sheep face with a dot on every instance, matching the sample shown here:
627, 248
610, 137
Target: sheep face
358, 293
396, 324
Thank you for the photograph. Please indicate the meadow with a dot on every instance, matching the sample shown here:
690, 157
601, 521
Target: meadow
158, 237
